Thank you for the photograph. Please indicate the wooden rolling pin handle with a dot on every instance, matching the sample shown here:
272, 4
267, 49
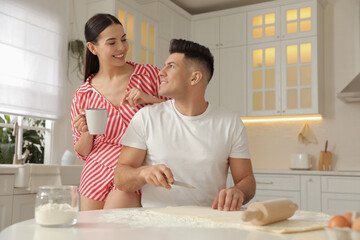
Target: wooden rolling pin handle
250, 215
326, 143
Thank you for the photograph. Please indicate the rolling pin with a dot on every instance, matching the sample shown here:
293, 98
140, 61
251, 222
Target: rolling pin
266, 212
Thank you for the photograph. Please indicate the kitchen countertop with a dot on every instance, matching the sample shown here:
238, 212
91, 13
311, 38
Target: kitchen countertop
91, 226
308, 172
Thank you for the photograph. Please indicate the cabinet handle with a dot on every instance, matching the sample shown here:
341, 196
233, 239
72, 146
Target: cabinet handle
310, 180
278, 37
264, 182
283, 111
283, 36
278, 111
221, 44
217, 45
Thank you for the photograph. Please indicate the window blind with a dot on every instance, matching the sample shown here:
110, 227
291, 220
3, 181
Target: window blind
33, 57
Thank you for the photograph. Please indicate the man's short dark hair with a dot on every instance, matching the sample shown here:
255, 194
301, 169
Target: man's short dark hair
195, 52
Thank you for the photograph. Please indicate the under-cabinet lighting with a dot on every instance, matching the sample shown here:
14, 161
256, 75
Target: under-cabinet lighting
282, 118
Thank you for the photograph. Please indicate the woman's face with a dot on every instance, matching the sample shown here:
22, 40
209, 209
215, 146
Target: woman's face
111, 46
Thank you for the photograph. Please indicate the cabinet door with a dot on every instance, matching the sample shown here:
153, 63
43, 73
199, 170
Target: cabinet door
212, 93
339, 203
233, 30
233, 79
5, 211
299, 76
206, 32
264, 79
299, 20
263, 25
263, 195
23, 207
310, 193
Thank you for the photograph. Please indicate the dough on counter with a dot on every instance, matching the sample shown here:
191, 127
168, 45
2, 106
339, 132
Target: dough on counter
302, 221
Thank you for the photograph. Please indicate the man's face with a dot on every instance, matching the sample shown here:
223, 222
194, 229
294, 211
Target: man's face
175, 77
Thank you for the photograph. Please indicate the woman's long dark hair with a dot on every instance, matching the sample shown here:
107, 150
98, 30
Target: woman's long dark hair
93, 27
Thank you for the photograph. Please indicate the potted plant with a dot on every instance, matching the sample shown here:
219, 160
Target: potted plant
76, 50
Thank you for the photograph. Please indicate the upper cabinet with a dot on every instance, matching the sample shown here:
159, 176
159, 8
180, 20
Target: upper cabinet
217, 32
285, 60
226, 37
283, 22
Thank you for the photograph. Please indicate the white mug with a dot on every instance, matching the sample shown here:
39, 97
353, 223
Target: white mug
96, 119
300, 161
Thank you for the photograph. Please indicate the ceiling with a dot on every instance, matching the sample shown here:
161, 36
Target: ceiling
202, 6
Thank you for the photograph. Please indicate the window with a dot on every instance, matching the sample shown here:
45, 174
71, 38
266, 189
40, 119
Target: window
19, 135
33, 60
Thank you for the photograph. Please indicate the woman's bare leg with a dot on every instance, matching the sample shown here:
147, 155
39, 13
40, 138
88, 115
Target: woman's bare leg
90, 204
120, 199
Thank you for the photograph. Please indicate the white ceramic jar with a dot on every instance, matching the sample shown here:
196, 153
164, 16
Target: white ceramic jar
57, 206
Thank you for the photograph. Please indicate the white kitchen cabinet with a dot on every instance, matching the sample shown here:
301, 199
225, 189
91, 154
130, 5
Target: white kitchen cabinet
320, 191
6, 200
5, 211
340, 194
285, 71
224, 31
226, 38
171, 25
23, 207
289, 21
283, 78
310, 191
227, 87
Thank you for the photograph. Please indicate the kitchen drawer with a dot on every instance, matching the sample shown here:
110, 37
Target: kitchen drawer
6, 184
263, 195
335, 184
338, 203
277, 182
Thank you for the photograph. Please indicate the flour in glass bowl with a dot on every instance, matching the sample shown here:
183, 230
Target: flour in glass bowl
55, 214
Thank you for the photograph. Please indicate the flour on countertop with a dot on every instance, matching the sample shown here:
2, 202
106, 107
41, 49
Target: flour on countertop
202, 217
55, 214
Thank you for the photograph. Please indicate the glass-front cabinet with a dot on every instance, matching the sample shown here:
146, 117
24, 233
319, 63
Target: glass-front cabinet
286, 22
299, 20
264, 25
264, 71
299, 76
283, 76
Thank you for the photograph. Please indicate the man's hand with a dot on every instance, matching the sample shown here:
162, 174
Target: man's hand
158, 175
229, 200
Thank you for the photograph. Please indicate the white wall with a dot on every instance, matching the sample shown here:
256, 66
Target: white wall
272, 143
62, 137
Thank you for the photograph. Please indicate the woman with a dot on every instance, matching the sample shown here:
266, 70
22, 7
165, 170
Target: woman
122, 88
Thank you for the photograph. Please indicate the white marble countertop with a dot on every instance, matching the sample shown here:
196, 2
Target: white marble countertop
92, 225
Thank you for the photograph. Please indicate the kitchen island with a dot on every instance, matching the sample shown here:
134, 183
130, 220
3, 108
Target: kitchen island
95, 225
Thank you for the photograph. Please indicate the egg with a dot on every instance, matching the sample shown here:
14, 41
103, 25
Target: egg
356, 225
338, 221
348, 216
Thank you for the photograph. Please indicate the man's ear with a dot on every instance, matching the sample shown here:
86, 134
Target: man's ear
196, 78
91, 47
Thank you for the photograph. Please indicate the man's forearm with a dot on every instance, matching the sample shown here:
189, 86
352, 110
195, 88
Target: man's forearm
128, 179
248, 186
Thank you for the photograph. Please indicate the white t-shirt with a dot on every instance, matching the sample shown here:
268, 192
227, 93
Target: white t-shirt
195, 148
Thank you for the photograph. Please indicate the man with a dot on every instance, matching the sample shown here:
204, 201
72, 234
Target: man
186, 139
